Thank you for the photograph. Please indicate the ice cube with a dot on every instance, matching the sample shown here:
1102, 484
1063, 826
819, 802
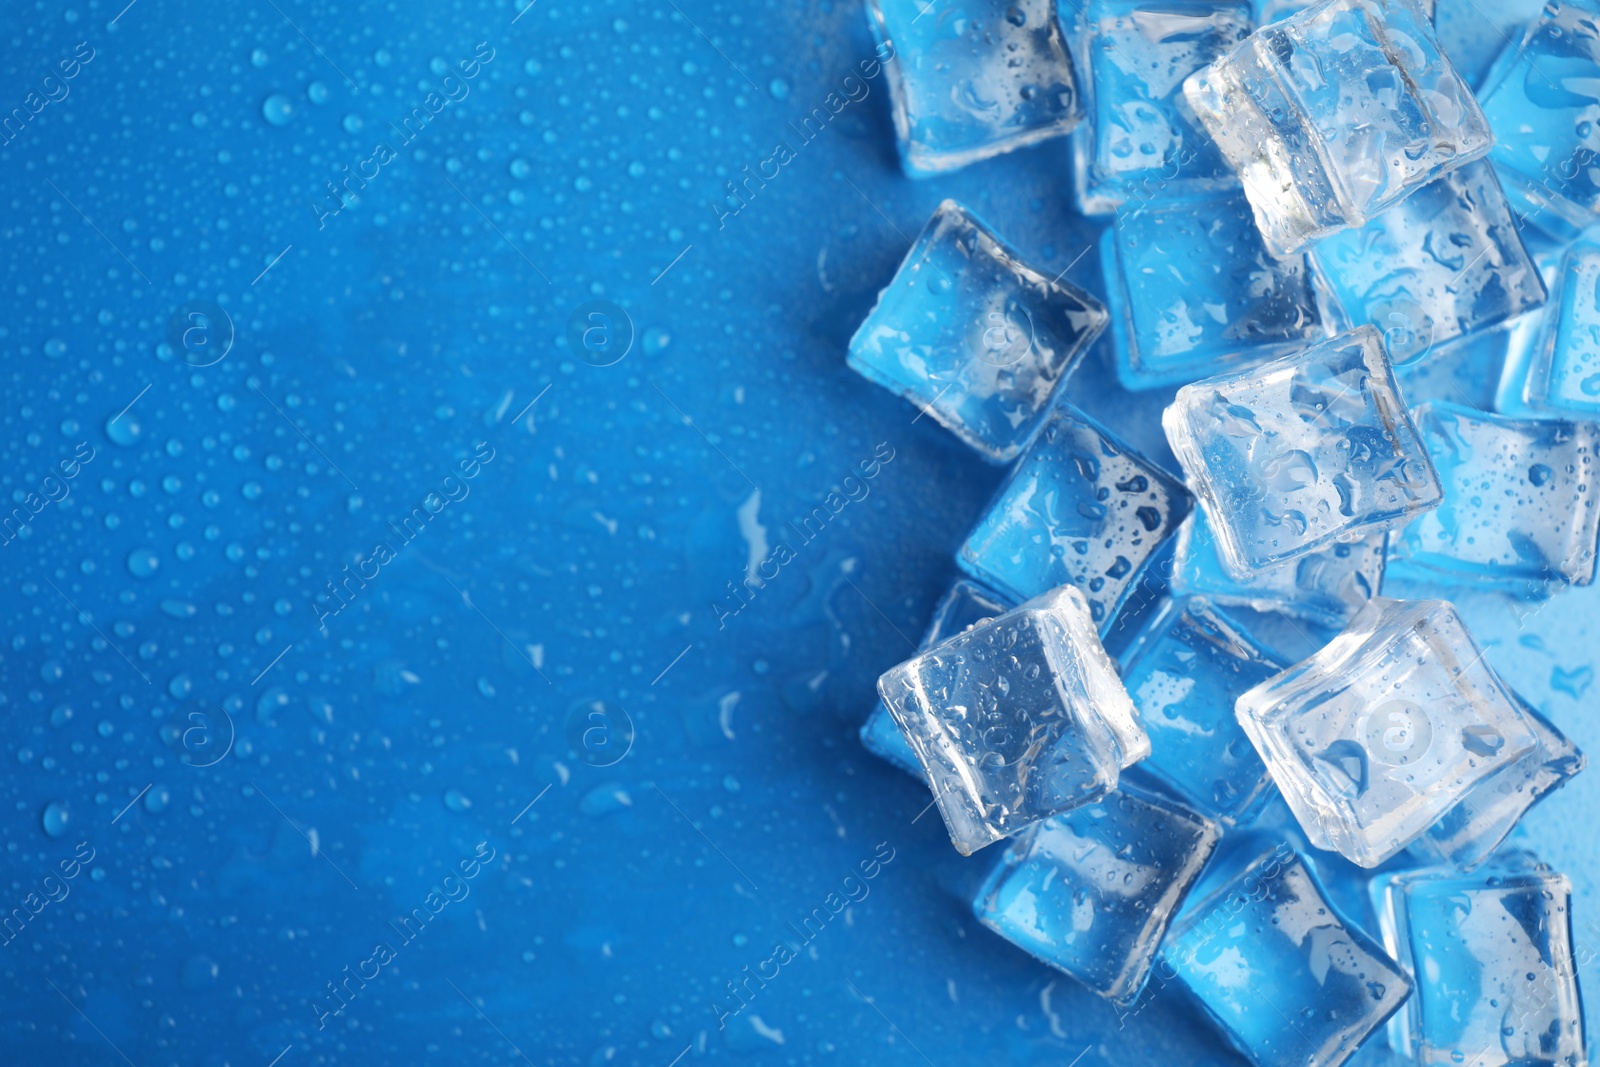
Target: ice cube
1493, 961
1540, 103
965, 605
1378, 735
971, 80
1138, 142
1081, 508
1286, 978
1444, 263
973, 335
1474, 828
1302, 453
1559, 374
1193, 292
1093, 891
1336, 113
1519, 498
1473, 34
1324, 588
1017, 719
1184, 671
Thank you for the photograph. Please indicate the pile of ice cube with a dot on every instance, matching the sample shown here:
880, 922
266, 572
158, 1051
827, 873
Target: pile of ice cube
1311, 211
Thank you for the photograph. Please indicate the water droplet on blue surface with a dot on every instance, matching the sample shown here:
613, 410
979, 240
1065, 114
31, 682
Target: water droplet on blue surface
143, 562
57, 817
278, 109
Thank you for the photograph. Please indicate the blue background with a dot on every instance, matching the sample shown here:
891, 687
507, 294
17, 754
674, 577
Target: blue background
379, 346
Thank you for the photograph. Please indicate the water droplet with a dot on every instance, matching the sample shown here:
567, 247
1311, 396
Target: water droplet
456, 801
278, 109
57, 817
143, 562
55, 348
778, 88
258, 59
124, 429
318, 92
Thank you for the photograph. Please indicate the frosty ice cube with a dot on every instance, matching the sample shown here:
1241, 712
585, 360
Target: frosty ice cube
1193, 292
1540, 104
1093, 891
1492, 958
1378, 735
971, 80
1017, 719
1285, 977
1303, 453
1078, 508
1444, 263
1519, 497
1469, 832
973, 335
1324, 588
1562, 375
1138, 144
1184, 671
1336, 113
966, 604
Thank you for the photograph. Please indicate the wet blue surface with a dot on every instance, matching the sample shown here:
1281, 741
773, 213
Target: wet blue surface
598, 556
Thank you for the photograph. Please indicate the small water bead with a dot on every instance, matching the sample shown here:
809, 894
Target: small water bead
258, 58
143, 562
318, 92
278, 109
456, 801
124, 429
56, 819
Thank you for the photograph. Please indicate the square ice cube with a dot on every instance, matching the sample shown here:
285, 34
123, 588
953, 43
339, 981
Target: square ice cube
1303, 453
1286, 978
1193, 292
1474, 828
1540, 104
970, 79
1184, 671
1093, 891
1444, 263
1138, 141
1017, 719
1563, 369
973, 335
1519, 497
1375, 737
965, 605
1336, 113
1081, 508
1493, 961
1324, 588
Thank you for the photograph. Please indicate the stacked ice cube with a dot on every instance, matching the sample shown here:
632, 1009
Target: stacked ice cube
1297, 199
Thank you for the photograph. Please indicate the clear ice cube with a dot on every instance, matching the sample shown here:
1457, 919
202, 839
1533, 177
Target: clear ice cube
1540, 104
971, 80
1184, 671
1285, 977
965, 605
1081, 508
1138, 142
1302, 453
1492, 958
1325, 588
1336, 113
1444, 263
1193, 292
1561, 375
975, 336
1092, 892
1017, 719
1374, 738
1521, 498
1469, 832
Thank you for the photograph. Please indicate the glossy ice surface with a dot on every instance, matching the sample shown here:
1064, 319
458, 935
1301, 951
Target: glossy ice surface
971, 79
1444, 263
1301, 453
1137, 145
1493, 960
973, 335
1563, 371
1336, 113
1184, 671
1079, 508
1476, 826
1378, 735
1017, 719
1520, 497
1542, 108
966, 604
1325, 587
1193, 292
1285, 977
1093, 891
